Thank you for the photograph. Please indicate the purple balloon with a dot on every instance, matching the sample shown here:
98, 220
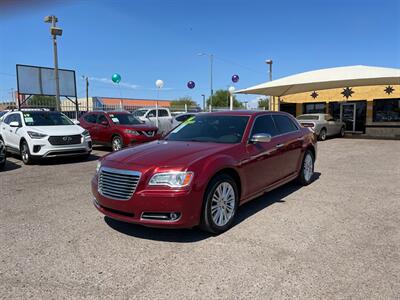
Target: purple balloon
191, 84
235, 78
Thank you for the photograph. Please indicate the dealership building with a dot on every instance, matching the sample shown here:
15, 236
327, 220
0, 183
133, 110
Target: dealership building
367, 99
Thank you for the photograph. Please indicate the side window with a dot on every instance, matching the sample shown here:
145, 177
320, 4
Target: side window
7, 120
90, 118
284, 124
264, 124
101, 118
152, 114
17, 117
162, 113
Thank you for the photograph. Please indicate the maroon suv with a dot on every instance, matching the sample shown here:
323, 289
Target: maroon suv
204, 169
117, 128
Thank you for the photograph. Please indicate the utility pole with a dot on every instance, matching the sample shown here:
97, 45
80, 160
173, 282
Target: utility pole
87, 91
54, 30
270, 103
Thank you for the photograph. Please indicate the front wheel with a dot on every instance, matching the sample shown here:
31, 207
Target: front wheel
116, 143
221, 203
307, 169
26, 154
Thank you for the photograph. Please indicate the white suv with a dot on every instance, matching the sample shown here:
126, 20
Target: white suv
37, 134
148, 116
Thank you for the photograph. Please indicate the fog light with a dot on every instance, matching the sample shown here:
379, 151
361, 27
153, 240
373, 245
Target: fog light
173, 216
36, 148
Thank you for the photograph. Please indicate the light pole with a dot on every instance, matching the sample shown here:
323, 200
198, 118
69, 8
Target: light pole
211, 57
54, 31
269, 62
204, 101
159, 85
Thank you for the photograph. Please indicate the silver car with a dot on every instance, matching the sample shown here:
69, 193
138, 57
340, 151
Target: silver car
324, 125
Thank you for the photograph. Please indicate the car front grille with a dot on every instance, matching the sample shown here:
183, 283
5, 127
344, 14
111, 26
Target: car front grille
65, 140
117, 184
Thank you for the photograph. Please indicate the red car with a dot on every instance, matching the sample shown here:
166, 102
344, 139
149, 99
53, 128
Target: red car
204, 169
117, 128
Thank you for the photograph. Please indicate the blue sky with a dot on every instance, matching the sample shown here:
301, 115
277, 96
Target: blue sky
154, 39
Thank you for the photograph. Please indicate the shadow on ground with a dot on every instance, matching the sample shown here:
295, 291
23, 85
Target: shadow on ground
194, 235
10, 166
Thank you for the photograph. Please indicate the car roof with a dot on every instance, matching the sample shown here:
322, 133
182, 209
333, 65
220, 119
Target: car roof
246, 112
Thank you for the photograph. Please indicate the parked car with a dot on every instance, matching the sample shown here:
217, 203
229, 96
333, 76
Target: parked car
117, 129
324, 125
181, 118
40, 134
204, 169
2, 155
148, 115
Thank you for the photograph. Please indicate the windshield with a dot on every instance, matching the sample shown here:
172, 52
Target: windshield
211, 128
124, 119
139, 113
308, 117
45, 118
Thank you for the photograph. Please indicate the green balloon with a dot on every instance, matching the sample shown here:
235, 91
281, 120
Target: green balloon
116, 78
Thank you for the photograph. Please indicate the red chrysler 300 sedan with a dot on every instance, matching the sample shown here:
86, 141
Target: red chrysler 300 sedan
204, 169
117, 128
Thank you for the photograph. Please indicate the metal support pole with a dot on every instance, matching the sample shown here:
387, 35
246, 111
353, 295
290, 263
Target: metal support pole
87, 93
231, 102
211, 78
56, 77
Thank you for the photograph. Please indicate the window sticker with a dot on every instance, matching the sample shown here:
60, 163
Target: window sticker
191, 120
28, 120
115, 120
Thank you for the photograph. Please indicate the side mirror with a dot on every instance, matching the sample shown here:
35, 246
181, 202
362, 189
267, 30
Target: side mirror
14, 124
261, 138
104, 123
76, 122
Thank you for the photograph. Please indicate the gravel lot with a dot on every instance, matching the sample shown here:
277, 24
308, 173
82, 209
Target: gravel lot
336, 238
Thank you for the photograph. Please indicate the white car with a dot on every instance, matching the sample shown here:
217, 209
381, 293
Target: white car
40, 134
148, 116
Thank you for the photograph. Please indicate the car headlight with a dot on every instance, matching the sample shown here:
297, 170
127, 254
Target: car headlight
129, 131
36, 135
172, 179
98, 166
85, 133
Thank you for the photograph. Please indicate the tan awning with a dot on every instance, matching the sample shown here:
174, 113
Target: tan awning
326, 79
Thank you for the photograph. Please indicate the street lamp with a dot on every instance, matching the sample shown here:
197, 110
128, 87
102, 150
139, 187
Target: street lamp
54, 31
269, 62
211, 57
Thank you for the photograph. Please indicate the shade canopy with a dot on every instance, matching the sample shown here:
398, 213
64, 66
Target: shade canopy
326, 79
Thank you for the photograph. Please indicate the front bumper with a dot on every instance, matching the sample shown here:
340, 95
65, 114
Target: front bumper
186, 204
41, 148
131, 139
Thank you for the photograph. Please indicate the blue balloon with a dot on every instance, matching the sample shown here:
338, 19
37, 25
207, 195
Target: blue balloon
191, 84
235, 78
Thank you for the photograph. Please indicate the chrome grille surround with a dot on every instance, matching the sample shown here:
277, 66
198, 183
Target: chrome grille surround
117, 184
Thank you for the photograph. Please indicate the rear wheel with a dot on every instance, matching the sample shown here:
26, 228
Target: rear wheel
116, 143
342, 131
26, 154
322, 134
221, 203
307, 169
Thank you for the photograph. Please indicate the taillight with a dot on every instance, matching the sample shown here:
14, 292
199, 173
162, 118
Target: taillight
308, 125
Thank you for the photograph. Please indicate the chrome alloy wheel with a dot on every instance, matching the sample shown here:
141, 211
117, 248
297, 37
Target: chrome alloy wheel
223, 204
25, 153
116, 144
308, 167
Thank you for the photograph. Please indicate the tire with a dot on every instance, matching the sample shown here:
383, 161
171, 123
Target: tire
117, 143
322, 134
342, 132
219, 211
307, 169
26, 154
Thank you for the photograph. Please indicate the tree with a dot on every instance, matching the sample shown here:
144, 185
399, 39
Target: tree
263, 103
221, 99
180, 102
42, 101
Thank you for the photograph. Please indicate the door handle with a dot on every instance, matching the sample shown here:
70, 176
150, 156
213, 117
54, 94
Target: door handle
279, 146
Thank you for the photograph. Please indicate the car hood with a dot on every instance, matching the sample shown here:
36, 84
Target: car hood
57, 130
164, 153
142, 127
